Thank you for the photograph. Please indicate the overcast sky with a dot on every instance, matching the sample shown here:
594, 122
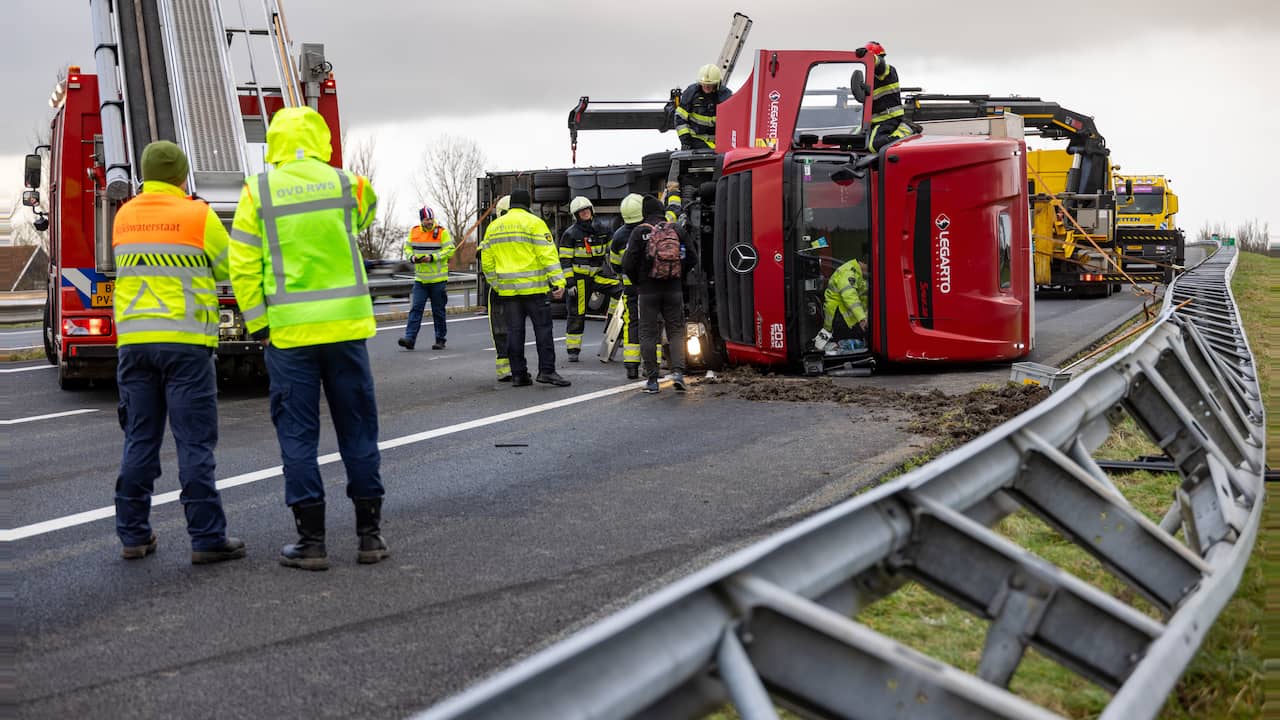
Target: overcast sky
1183, 87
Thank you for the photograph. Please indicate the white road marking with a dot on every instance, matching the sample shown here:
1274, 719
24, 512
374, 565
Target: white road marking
530, 344
20, 347
48, 526
427, 322
50, 416
28, 368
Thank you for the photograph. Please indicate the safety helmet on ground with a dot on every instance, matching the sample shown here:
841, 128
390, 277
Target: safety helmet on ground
632, 208
709, 75
579, 204
426, 214
875, 48
504, 204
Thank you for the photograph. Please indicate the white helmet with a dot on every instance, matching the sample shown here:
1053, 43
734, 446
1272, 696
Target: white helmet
709, 75
504, 204
579, 204
633, 208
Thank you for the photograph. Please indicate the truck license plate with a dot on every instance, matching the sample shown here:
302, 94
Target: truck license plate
102, 293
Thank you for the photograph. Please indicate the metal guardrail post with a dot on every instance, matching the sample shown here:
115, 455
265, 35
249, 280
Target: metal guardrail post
780, 616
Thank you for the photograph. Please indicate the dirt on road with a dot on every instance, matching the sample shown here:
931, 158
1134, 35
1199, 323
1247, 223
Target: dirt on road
954, 419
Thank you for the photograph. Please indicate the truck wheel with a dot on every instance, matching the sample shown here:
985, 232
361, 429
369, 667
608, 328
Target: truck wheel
50, 350
551, 179
658, 163
66, 382
551, 194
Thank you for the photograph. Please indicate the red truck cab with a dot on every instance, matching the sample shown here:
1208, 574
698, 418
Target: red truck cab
940, 221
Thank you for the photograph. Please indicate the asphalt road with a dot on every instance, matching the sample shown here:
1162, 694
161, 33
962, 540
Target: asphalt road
514, 515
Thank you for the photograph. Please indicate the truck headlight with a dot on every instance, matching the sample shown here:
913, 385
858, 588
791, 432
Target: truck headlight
694, 346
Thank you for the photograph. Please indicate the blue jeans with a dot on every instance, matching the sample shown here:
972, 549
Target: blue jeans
297, 375
538, 309
177, 380
438, 293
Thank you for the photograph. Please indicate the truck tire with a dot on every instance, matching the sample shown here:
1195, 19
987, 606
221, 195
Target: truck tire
658, 163
551, 194
50, 350
66, 382
551, 179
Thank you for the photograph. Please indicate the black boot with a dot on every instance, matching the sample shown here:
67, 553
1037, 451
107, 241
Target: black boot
368, 521
633, 371
308, 553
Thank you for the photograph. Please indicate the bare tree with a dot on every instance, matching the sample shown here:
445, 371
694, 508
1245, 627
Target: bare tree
380, 237
448, 175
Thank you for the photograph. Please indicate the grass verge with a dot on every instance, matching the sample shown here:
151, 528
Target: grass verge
1225, 680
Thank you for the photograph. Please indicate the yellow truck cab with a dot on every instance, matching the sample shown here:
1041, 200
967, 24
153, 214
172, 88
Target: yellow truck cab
1151, 204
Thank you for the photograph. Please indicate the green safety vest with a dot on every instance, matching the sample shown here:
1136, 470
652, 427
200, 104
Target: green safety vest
518, 255
846, 294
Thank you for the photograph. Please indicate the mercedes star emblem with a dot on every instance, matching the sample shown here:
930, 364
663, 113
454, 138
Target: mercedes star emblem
742, 258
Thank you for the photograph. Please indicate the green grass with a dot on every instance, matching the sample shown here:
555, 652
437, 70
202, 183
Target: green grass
1224, 680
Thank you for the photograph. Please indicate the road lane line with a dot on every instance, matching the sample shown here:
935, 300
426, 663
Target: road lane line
50, 416
29, 367
455, 320
48, 526
530, 344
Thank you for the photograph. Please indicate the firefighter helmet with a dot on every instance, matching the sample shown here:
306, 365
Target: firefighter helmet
875, 48
504, 204
579, 204
632, 208
709, 75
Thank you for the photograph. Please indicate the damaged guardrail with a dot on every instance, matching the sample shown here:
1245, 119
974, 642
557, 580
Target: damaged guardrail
774, 623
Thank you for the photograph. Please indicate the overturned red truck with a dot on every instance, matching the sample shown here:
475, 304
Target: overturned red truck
939, 218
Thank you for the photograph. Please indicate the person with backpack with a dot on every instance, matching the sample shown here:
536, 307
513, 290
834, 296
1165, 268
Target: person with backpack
657, 258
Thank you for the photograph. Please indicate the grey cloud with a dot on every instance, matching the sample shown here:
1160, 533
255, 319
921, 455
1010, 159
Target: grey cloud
400, 60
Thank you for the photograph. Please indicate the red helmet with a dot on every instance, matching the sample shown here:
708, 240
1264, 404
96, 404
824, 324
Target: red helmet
875, 48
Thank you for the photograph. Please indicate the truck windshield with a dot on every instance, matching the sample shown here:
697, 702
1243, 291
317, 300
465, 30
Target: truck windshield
1150, 202
827, 103
832, 241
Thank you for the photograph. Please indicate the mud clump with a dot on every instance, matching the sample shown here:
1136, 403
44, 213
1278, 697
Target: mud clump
954, 418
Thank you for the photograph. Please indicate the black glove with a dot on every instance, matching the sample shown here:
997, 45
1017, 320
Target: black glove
262, 334
860, 52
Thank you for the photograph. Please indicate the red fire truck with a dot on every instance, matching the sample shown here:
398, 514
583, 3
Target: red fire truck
940, 220
205, 76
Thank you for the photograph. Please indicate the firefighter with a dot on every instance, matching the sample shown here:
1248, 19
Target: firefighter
520, 263
845, 301
696, 112
497, 321
584, 252
887, 116
302, 217
631, 217
429, 247
169, 251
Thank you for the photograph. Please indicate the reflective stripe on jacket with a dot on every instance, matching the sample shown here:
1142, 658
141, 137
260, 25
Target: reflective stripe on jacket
696, 115
169, 251
295, 265
886, 98
518, 255
584, 251
847, 294
437, 242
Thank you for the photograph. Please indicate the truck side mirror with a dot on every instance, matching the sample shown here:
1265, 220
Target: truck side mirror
31, 198
1128, 187
858, 86
31, 171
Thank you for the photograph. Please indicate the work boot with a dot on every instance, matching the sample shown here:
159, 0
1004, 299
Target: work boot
651, 387
231, 549
553, 378
137, 552
573, 355
438, 345
406, 343
677, 381
368, 520
522, 380
505, 378
633, 371
308, 553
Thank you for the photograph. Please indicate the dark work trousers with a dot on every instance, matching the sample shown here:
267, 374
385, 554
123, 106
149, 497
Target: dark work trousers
438, 294
536, 308
498, 329
631, 330
178, 380
297, 375
667, 308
